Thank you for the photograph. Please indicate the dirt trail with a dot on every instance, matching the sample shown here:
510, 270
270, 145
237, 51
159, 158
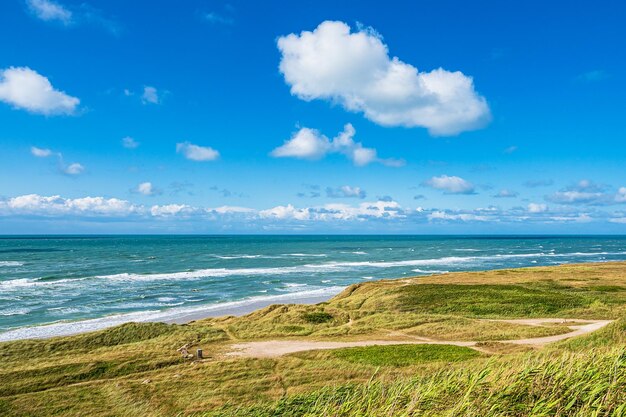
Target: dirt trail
275, 348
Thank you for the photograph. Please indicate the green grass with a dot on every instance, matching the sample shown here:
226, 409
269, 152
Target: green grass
536, 300
316, 317
405, 355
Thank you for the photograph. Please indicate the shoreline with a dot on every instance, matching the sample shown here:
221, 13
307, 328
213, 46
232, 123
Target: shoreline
172, 316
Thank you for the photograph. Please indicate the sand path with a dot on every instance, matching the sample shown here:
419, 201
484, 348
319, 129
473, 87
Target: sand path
275, 348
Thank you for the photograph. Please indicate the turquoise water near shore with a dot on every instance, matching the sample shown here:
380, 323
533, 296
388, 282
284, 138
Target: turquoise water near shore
89, 282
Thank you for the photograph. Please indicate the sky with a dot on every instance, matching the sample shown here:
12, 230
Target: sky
430, 117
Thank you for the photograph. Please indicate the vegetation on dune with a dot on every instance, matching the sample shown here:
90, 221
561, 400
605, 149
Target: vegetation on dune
135, 369
591, 384
405, 355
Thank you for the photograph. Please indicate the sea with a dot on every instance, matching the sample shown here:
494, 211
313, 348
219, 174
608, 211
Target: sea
60, 285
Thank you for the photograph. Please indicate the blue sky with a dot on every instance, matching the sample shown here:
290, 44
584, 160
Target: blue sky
315, 117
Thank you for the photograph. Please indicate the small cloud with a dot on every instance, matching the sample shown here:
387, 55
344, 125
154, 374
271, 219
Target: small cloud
73, 169
40, 152
510, 149
451, 185
216, 18
196, 152
538, 183
345, 191
48, 10
620, 197
150, 95
537, 208
23, 88
419, 197
593, 76
129, 143
584, 192
385, 198
146, 188
312, 145
505, 193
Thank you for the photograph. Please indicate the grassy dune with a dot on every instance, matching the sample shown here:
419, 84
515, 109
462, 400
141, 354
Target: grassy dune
134, 369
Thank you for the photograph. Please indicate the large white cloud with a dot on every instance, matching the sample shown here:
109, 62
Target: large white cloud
356, 71
311, 144
451, 184
23, 88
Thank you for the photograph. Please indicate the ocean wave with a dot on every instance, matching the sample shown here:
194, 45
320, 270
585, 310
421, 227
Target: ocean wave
11, 263
305, 255
65, 328
462, 259
15, 312
433, 271
244, 257
325, 267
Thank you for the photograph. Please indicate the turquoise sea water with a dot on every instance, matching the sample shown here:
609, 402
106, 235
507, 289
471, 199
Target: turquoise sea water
84, 283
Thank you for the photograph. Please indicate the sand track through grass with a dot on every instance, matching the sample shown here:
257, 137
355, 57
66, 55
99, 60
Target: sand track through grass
276, 348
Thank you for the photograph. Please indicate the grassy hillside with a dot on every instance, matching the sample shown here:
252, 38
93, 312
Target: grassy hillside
135, 369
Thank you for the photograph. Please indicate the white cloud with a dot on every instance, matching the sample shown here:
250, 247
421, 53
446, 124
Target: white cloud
170, 210
285, 212
584, 192
146, 188
304, 144
537, 208
48, 10
505, 193
57, 205
196, 152
451, 184
129, 143
150, 95
40, 152
329, 212
73, 169
231, 210
345, 191
465, 217
355, 70
619, 220
23, 88
311, 144
620, 197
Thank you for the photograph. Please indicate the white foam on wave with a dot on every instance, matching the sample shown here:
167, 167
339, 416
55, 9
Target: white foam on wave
14, 312
433, 271
305, 255
11, 263
245, 257
211, 310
